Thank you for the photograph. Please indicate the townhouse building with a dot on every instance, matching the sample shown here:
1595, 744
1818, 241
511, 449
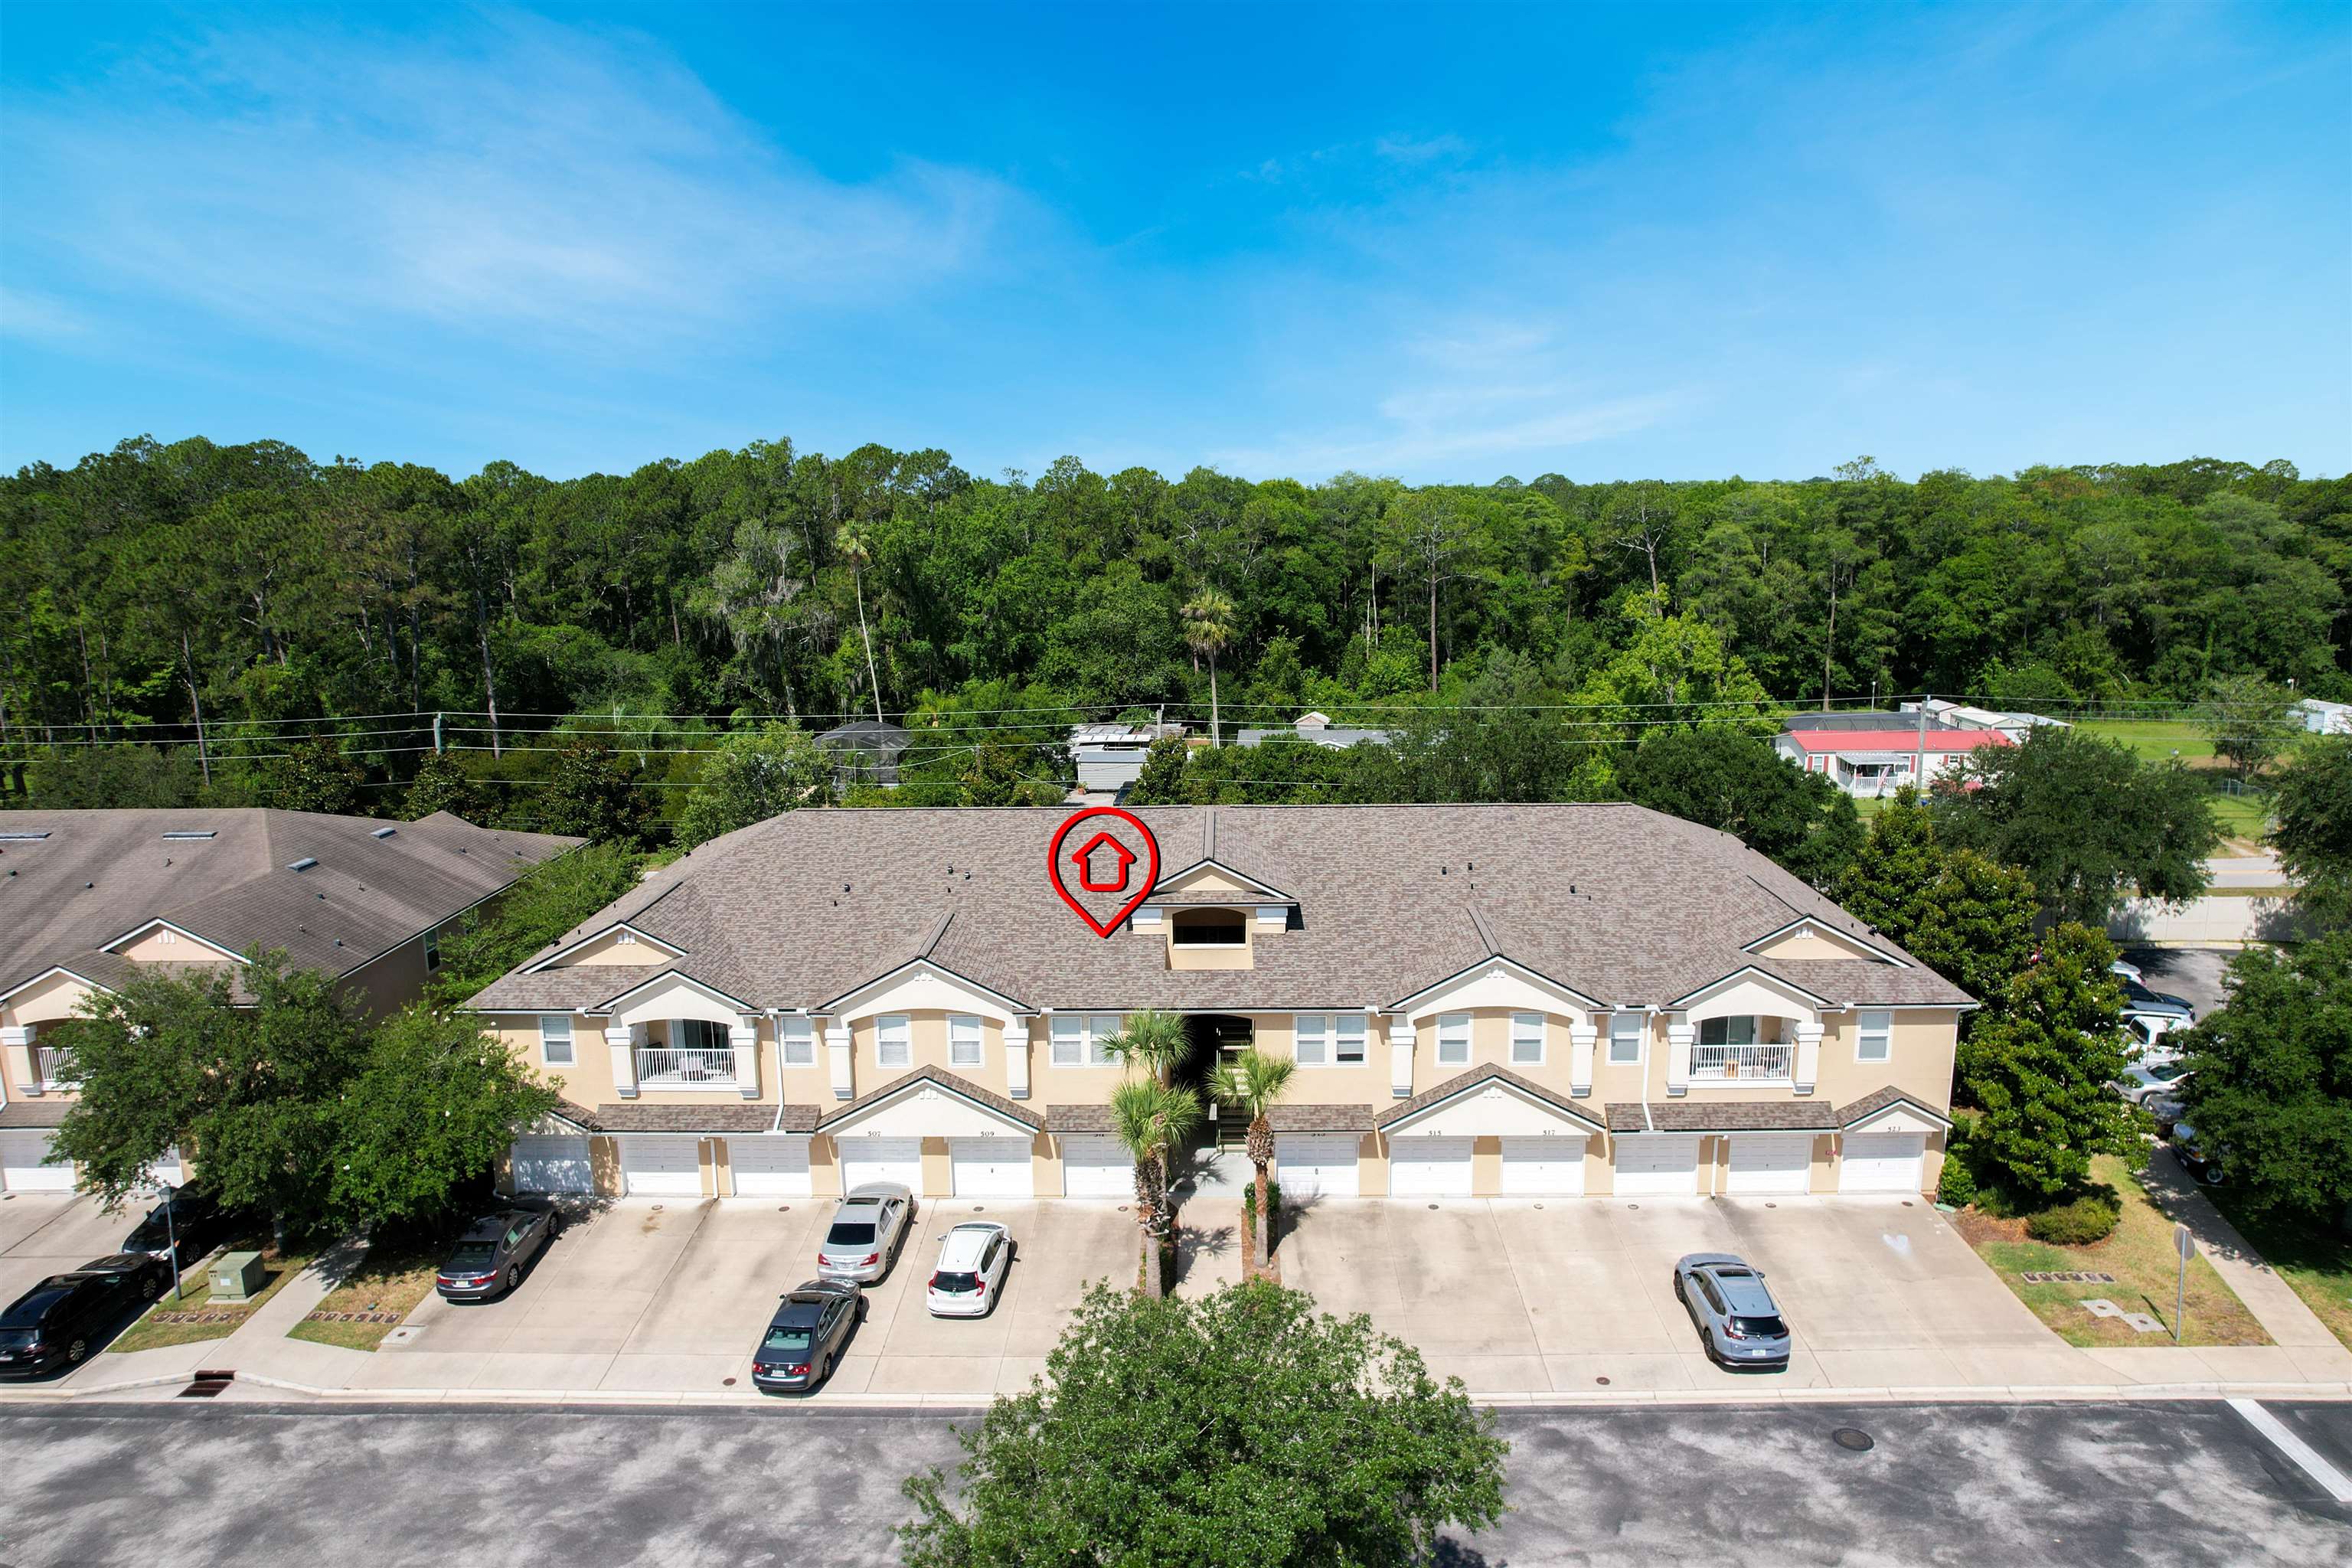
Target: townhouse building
90, 898
1561, 1000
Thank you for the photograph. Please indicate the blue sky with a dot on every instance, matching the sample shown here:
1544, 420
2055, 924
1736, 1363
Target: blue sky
1449, 244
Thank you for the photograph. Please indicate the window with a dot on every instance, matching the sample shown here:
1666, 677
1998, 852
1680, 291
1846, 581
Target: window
1313, 1046
963, 1041
1739, 1031
555, 1042
698, 1034
796, 1038
1347, 1039
1874, 1040
1078, 1039
432, 951
1329, 1039
1210, 927
1528, 1040
1454, 1039
1625, 1039
893, 1045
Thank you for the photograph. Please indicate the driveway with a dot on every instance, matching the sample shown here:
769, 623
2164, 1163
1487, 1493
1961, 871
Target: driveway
672, 1296
1575, 1295
43, 1234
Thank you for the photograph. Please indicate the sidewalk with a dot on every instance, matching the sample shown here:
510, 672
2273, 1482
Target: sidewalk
2301, 1340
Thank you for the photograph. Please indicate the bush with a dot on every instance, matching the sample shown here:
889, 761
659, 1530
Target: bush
1958, 1184
1249, 1197
2078, 1223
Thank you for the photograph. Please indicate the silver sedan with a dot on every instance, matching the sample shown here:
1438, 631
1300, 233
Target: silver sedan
869, 1228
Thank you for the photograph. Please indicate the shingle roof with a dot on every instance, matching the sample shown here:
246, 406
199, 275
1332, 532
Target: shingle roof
1870, 1104
639, 1117
945, 1080
1725, 1116
1079, 1119
1615, 901
48, 1111
1464, 1082
1320, 1118
100, 875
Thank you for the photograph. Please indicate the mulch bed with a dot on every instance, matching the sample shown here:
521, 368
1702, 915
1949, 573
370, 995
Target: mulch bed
236, 1316
355, 1317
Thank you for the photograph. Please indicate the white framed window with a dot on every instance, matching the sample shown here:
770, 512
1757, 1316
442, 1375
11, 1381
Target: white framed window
1329, 1039
1733, 1031
894, 1045
1874, 1039
1526, 1039
1625, 1039
963, 1040
1078, 1039
1454, 1039
555, 1042
797, 1039
1347, 1039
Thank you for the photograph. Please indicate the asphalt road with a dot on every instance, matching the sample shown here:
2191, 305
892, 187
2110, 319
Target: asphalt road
1980, 1485
2191, 973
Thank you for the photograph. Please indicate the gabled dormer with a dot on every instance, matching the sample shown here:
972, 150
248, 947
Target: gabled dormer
1812, 940
618, 946
1211, 916
161, 942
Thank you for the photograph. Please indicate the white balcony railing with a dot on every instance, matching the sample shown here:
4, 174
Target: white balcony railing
661, 1067
1742, 1063
55, 1067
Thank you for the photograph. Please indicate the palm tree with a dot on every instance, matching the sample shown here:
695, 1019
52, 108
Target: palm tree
1152, 1040
859, 554
1208, 627
1152, 1120
1258, 1081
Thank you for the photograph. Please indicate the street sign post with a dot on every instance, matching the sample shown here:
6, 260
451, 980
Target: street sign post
2186, 1245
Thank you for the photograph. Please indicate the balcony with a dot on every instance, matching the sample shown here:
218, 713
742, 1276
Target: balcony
54, 1067
1743, 1064
663, 1067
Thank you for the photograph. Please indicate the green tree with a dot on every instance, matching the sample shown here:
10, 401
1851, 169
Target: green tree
433, 1104
117, 775
2314, 832
1244, 1427
1733, 781
1892, 879
1208, 627
2089, 822
1161, 783
2039, 1063
1155, 1122
1259, 1082
1154, 1041
852, 542
442, 783
1976, 928
2248, 719
2272, 1079
592, 792
546, 901
315, 775
750, 776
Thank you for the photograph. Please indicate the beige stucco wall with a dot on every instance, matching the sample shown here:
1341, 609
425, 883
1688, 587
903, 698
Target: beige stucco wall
391, 982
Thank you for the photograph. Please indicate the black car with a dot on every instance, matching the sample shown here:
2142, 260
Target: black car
61, 1320
806, 1336
490, 1258
194, 1221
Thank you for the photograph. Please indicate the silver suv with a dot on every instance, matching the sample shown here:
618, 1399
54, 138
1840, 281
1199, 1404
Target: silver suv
1739, 1324
869, 1228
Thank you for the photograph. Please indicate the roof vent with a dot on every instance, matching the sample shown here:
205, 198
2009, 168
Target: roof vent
304, 864
172, 835
384, 833
24, 837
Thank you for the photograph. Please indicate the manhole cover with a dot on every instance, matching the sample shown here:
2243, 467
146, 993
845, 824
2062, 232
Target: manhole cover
1771, 1206
980, 1208
1853, 1438
1539, 1205
1633, 1205
1433, 1206
783, 1208
1601, 1381
727, 1383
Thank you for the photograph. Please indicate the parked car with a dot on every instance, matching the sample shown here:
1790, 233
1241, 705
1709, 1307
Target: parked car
64, 1318
805, 1337
490, 1258
2127, 971
869, 1228
2168, 1108
193, 1220
1739, 1324
973, 1258
2139, 1002
2144, 1081
2206, 1164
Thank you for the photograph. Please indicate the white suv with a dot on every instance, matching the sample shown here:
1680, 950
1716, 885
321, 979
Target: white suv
973, 1258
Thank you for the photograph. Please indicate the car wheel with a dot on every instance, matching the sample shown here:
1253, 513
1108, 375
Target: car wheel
1678, 1291
150, 1287
514, 1278
76, 1351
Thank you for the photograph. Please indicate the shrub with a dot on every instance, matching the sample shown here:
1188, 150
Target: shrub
1958, 1184
2078, 1223
1249, 1197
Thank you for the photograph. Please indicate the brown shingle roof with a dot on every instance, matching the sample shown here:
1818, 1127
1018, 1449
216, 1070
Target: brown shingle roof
1079, 1119
1320, 1118
1472, 1079
745, 1117
1878, 1099
1725, 1116
48, 1111
945, 1080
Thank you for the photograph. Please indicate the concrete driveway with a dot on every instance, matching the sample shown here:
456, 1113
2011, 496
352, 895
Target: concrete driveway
672, 1296
1575, 1295
48, 1233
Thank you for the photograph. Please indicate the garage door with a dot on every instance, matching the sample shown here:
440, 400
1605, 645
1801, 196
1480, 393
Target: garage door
768, 1167
1658, 1164
864, 1159
1881, 1162
661, 1167
1429, 1167
1538, 1167
991, 1167
552, 1164
1770, 1163
1096, 1165
1307, 1164
21, 1170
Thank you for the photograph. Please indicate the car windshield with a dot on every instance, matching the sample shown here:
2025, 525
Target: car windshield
472, 1254
1761, 1328
2167, 1072
850, 1233
955, 1284
786, 1337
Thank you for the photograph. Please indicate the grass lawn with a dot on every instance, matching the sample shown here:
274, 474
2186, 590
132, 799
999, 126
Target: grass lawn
2139, 1254
2315, 1262
390, 1280
2242, 816
148, 1334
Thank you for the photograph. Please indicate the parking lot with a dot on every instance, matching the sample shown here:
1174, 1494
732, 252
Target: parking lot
43, 1234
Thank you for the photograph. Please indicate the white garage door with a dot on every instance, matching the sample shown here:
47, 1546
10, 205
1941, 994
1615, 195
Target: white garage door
1429, 1167
1769, 1162
1096, 1165
1539, 1167
1660, 1165
552, 1164
1307, 1164
21, 1170
661, 1167
991, 1167
1881, 1162
768, 1167
864, 1159
169, 1169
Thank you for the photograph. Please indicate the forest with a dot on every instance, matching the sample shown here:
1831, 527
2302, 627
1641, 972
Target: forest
240, 594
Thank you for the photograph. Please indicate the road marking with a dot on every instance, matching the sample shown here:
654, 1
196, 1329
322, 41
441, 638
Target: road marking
2307, 1458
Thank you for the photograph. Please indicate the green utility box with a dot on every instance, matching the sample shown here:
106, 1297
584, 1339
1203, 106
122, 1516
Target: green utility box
238, 1277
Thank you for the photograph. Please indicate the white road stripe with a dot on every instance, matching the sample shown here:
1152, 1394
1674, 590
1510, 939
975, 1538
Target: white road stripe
2307, 1458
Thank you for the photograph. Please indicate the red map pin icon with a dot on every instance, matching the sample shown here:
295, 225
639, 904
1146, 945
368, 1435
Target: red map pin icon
1103, 861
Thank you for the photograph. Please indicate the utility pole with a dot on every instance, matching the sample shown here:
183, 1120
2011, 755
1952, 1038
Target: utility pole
1919, 756
436, 731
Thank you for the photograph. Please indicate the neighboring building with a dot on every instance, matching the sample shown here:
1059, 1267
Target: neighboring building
1110, 756
867, 750
1961, 716
1482, 999
90, 897
1315, 730
1878, 753
2323, 718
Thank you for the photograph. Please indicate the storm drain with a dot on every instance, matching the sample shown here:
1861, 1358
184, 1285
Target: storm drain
1853, 1438
207, 1385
